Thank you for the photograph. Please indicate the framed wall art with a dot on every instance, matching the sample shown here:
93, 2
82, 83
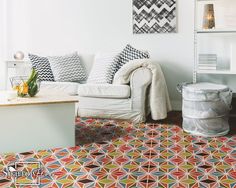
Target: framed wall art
154, 16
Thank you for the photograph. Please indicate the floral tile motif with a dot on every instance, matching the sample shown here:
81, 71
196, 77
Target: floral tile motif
118, 154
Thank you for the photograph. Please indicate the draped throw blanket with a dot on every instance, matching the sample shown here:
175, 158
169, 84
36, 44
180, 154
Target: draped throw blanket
159, 97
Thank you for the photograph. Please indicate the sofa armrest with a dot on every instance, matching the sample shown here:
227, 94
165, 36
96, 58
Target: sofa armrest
140, 81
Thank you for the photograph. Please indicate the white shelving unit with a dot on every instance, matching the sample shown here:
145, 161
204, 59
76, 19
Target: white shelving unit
220, 41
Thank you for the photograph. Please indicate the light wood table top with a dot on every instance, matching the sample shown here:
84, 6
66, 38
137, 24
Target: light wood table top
40, 99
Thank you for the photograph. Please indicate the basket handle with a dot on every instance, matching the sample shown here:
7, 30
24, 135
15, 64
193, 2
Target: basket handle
225, 101
180, 86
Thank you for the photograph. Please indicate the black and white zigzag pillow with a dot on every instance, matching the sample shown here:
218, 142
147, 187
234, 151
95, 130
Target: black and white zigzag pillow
42, 67
127, 54
67, 68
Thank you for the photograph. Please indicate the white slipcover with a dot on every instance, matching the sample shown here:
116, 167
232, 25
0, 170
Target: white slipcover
132, 108
117, 101
104, 91
70, 88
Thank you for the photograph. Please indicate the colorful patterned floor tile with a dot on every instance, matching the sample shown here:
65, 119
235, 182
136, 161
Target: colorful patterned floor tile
119, 154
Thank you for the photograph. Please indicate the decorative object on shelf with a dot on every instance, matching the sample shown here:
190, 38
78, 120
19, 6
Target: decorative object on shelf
207, 61
19, 55
154, 16
26, 86
208, 17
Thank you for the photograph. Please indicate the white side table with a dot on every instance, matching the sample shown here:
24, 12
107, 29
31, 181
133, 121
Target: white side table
16, 68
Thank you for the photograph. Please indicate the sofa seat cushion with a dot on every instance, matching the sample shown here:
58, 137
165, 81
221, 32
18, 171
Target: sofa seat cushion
104, 91
70, 88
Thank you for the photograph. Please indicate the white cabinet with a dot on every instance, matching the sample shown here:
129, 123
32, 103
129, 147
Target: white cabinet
215, 49
16, 68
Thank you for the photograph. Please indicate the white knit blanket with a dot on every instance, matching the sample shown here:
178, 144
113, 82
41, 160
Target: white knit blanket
159, 97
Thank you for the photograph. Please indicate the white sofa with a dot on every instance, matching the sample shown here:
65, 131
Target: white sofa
109, 100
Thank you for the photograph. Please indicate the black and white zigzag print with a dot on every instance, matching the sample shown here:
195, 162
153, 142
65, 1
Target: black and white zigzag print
154, 16
42, 67
127, 54
67, 68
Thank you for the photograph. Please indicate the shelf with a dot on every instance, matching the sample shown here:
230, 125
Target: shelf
216, 31
211, 0
205, 0
215, 72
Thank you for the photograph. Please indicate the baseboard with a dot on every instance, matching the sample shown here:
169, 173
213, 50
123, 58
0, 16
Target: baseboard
176, 105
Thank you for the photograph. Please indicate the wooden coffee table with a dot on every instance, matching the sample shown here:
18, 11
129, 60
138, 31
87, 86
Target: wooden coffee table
42, 122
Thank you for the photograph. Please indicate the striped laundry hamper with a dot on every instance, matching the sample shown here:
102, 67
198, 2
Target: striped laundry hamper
206, 108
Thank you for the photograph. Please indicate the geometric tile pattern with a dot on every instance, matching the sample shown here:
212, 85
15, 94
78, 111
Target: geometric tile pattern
154, 16
141, 155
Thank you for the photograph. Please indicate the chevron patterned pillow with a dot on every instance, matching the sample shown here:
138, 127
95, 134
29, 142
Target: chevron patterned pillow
42, 67
127, 54
67, 68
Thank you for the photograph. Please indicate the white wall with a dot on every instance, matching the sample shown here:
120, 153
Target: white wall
61, 26
2, 43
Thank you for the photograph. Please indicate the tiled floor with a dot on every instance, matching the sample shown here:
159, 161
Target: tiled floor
119, 154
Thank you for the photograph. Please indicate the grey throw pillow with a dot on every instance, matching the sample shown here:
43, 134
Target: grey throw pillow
127, 54
67, 68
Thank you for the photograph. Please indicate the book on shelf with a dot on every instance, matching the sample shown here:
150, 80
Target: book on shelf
206, 68
207, 55
207, 58
206, 65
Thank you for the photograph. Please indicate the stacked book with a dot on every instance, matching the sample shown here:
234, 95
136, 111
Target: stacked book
207, 61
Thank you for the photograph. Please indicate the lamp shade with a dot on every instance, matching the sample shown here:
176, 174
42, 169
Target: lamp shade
208, 17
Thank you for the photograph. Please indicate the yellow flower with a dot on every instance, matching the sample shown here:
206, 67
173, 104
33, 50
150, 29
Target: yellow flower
16, 88
24, 88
